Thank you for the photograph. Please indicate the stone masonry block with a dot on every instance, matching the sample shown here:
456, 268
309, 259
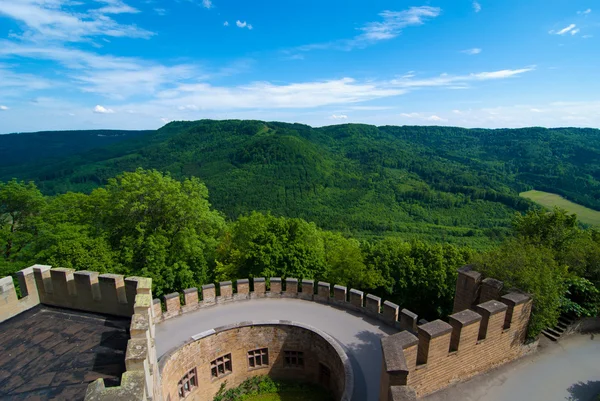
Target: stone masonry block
467, 288
173, 304
465, 329
393, 352
209, 294
339, 293
323, 291
190, 297
390, 311
490, 322
112, 293
356, 298
291, 285
27, 283
434, 341
226, 289
88, 288
243, 286
275, 285
157, 309
402, 393
373, 303
490, 290
308, 289
512, 300
43, 281
408, 320
260, 287
63, 284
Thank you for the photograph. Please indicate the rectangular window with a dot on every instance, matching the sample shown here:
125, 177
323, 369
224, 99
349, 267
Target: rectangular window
187, 383
220, 366
258, 358
293, 359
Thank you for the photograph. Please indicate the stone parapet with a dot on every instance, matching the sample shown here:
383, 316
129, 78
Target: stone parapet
475, 340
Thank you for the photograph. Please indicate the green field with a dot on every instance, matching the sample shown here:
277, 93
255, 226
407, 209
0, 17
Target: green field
549, 200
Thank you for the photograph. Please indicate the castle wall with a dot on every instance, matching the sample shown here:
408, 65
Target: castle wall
236, 340
10, 305
472, 342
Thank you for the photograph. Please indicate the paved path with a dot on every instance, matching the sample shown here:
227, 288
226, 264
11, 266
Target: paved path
569, 371
359, 335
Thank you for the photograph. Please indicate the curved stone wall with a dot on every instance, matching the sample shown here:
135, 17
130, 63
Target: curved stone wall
321, 354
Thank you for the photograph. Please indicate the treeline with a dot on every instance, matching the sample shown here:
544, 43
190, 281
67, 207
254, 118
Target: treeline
149, 224
439, 184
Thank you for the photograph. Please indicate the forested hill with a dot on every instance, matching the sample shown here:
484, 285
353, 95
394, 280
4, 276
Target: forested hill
16, 149
439, 183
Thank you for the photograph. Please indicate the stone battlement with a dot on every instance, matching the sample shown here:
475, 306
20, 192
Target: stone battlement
474, 341
109, 294
225, 292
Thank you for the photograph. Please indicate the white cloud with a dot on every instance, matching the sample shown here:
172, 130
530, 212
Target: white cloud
103, 110
436, 118
226, 23
338, 117
394, 21
207, 3
472, 51
574, 31
588, 11
3, 108
476, 6
458, 81
244, 24
392, 24
564, 30
587, 36
160, 11
62, 20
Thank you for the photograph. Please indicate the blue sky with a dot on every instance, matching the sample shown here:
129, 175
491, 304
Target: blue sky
137, 64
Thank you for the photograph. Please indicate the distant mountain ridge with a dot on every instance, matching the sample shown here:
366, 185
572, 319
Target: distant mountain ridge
441, 183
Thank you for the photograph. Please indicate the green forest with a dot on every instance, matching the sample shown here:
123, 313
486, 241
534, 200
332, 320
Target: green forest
438, 184
391, 210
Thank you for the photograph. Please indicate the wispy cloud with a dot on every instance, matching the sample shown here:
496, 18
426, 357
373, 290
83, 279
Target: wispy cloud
394, 21
458, 81
57, 20
160, 11
244, 24
102, 110
565, 30
476, 6
390, 26
3, 108
226, 23
471, 52
207, 3
588, 11
338, 117
574, 31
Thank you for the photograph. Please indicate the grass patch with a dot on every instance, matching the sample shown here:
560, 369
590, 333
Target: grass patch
263, 388
549, 200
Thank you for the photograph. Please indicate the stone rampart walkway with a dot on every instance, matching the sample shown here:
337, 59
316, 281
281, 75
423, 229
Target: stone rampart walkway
359, 335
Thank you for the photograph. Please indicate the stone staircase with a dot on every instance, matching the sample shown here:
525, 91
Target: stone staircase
556, 332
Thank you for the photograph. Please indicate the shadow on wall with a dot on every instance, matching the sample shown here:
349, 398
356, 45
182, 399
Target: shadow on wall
367, 347
581, 391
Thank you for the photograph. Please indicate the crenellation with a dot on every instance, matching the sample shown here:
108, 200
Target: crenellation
112, 293
465, 330
493, 315
190, 299
356, 298
43, 282
308, 290
260, 288
291, 287
172, 305
225, 291
390, 312
157, 309
275, 286
468, 285
434, 341
88, 289
490, 290
373, 304
209, 295
339, 293
512, 301
323, 292
242, 289
408, 320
